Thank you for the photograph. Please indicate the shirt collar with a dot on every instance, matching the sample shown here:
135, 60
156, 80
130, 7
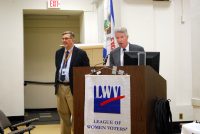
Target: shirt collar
69, 49
127, 48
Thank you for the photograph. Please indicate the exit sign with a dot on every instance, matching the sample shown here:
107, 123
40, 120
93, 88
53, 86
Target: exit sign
53, 3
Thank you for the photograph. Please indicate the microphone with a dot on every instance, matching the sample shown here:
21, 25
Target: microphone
105, 59
97, 72
94, 71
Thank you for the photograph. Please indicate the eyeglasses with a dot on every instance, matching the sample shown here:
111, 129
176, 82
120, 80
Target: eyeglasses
66, 38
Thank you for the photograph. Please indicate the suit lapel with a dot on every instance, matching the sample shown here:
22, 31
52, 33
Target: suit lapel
61, 56
131, 47
74, 55
117, 54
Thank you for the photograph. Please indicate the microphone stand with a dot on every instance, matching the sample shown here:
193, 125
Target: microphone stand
94, 71
97, 72
113, 69
105, 59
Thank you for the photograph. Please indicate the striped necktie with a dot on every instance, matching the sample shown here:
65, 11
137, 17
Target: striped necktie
66, 59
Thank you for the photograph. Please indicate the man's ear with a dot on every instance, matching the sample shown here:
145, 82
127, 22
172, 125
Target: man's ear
74, 40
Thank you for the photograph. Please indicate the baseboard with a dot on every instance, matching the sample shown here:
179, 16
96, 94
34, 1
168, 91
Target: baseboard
45, 115
16, 119
41, 109
176, 126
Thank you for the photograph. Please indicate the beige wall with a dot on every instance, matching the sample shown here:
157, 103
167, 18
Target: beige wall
42, 37
94, 53
156, 25
12, 43
195, 24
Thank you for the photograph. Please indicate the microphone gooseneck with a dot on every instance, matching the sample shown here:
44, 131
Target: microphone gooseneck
105, 59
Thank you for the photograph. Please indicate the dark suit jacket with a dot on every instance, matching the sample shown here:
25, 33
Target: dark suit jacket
79, 58
115, 54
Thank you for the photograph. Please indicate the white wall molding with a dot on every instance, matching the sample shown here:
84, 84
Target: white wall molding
196, 102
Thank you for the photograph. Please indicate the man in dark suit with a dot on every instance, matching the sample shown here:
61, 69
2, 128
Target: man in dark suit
66, 58
117, 55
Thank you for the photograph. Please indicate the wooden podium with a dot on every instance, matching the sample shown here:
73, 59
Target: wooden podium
146, 86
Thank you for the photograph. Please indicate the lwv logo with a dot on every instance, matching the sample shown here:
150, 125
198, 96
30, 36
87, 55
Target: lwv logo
107, 99
106, 91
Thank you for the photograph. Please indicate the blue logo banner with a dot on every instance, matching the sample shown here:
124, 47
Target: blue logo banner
107, 99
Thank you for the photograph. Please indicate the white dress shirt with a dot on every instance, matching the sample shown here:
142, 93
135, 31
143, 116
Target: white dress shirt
122, 54
68, 65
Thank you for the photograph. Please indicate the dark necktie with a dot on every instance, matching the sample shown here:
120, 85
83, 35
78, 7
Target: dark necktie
62, 76
124, 49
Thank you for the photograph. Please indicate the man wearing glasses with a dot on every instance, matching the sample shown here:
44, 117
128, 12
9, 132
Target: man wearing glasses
65, 59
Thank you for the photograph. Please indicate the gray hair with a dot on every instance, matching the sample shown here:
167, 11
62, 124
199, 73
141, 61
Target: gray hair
72, 35
121, 30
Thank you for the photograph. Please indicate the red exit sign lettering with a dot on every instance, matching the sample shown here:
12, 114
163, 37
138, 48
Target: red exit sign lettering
53, 3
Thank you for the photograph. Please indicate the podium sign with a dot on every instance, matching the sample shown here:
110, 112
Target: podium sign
107, 104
